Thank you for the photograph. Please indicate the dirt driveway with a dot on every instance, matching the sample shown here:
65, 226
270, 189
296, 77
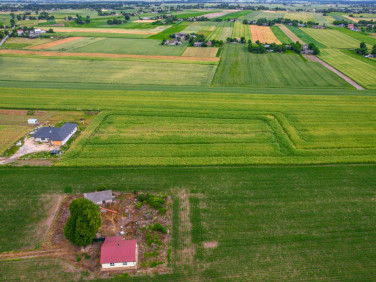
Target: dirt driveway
28, 147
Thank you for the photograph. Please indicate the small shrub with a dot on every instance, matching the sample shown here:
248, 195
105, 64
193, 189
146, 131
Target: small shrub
143, 264
78, 258
169, 257
150, 239
101, 188
138, 205
30, 112
158, 228
155, 263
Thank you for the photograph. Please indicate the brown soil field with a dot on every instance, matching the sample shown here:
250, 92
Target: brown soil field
290, 34
351, 19
263, 34
54, 43
105, 30
105, 55
144, 21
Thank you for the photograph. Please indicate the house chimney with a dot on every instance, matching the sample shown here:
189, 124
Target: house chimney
118, 245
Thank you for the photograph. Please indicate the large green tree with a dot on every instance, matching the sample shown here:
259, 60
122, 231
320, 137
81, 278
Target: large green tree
83, 223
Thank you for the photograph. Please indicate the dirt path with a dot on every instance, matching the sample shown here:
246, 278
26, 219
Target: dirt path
28, 147
55, 43
348, 79
106, 55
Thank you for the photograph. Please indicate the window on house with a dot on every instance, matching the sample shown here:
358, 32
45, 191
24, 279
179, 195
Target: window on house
112, 264
125, 263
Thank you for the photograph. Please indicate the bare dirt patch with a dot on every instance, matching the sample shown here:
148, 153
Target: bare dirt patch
55, 43
106, 55
219, 14
290, 34
210, 244
29, 147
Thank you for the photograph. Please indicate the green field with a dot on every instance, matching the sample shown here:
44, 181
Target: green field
281, 36
241, 30
358, 35
332, 38
122, 46
265, 15
360, 71
305, 37
300, 16
103, 71
238, 67
271, 223
235, 15
167, 32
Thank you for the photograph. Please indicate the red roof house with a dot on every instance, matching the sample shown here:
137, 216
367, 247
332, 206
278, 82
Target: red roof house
117, 252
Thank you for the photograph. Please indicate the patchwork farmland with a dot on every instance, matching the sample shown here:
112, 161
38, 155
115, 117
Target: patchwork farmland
265, 158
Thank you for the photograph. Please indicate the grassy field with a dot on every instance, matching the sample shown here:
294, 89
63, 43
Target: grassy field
300, 16
102, 71
19, 42
306, 38
236, 15
238, 67
265, 15
358, 35
281, 36
289, 223
360, 71
167, 32
200, 52
123, 46
226, 31
241, 30
10, 134
332, 38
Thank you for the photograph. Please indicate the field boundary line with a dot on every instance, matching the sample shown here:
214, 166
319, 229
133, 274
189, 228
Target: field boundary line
337, 72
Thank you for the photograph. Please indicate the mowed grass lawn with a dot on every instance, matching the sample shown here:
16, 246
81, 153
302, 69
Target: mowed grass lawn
104, 71
359, 70
130, 46
238, 67
270, 223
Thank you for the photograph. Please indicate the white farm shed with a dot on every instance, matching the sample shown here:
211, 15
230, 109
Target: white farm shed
32, 121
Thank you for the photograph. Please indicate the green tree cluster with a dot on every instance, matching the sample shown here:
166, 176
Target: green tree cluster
83, 223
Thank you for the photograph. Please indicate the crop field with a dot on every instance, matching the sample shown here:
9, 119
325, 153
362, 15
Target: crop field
358, 35
100, 71
358, 70
208, 52
269, 223
10, 134
126, 46
226, 31
241, 30
263, 34
70, 44
305, 37
300, 16
281, 36
216, 34
332, 38
55, 43
267, 15
239, 67
19, 42
235, 15
213, 15
293, 38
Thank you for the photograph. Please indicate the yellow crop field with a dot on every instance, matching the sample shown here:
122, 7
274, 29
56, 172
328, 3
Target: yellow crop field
205, 52
263, 34
300, 16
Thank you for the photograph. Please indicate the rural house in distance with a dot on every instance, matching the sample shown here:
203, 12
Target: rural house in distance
57, 136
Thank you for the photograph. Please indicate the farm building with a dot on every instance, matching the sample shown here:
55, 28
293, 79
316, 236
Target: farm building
100, 198
180, 35
116, 252
306, 50
197, 44
173, 42
57, 136
32, 121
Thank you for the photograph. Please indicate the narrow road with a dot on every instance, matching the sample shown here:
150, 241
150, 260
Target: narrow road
348, 79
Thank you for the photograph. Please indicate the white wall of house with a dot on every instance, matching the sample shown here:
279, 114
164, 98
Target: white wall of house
43, 140
68, 137
119, 264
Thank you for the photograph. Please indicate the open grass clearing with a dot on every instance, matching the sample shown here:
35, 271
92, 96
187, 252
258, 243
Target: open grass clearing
238, 67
